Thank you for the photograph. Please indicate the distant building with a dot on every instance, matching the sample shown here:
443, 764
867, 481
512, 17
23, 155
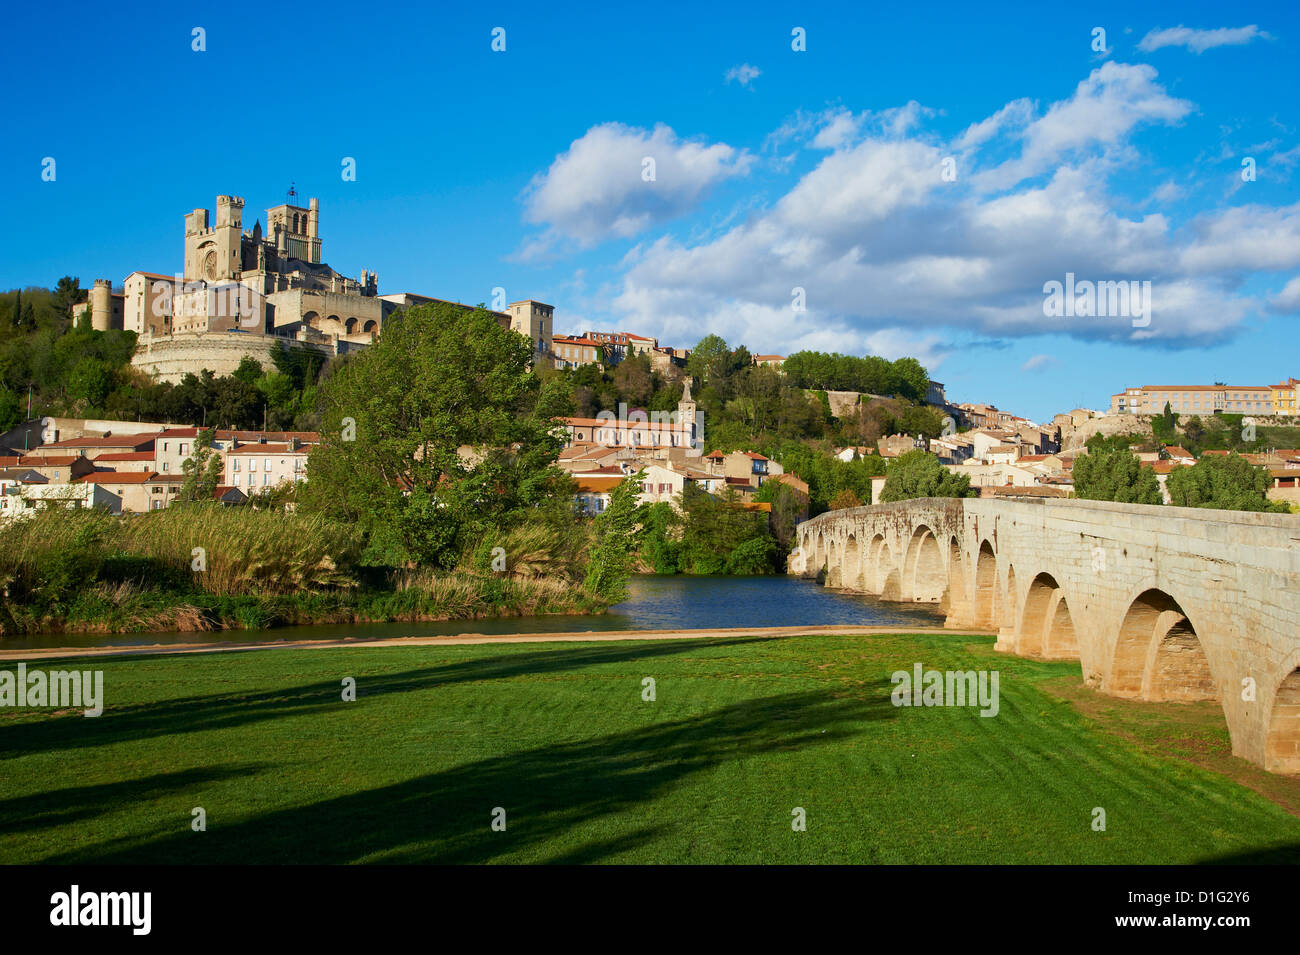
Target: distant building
573, 352
1202, 399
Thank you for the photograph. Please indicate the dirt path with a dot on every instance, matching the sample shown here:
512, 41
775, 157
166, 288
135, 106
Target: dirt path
461, 640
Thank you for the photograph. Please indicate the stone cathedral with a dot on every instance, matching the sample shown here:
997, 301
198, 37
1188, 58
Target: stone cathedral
248, 291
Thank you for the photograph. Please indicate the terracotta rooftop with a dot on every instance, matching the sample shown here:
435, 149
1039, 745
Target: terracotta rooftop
116, 477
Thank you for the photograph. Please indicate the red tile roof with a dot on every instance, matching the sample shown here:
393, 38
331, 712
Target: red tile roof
125, 456
53, 461
116, 477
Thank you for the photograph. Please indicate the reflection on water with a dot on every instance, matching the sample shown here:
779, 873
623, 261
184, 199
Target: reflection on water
656, 603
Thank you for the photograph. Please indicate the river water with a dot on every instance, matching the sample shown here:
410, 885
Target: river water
656, 603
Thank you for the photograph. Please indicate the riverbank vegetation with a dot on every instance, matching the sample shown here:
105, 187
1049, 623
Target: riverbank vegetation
204, 567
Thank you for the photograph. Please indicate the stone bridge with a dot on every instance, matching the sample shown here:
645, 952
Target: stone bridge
1156, 603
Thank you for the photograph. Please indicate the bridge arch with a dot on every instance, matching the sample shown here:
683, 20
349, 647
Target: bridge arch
926, 576
986, 586
1046, 627
956, 601
888, 571
834, 566
1158, 655
1282, 753
851, 573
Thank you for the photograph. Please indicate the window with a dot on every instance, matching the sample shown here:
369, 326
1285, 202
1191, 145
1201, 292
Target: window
182, 449
266, 465
234, 465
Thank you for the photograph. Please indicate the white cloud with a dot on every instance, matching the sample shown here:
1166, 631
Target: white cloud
744, 74
1245, 238
887, 251
1038, 362
1198, 41
840, 128
1104, 110
595, 190
1287, 300
893, 259
1015, 114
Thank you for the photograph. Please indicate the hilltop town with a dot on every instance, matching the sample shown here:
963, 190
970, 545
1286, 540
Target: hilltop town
249, 302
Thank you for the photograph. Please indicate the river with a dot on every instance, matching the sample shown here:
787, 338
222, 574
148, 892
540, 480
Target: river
656, 603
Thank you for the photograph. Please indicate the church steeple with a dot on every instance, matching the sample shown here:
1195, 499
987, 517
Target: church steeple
686, 417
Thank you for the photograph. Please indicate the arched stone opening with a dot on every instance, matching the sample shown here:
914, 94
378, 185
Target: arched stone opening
1033, 619
1158, 655
1046, 627
370, 327
986, 587
351, 326
834, 564
1060, 641
877, 564
956, 599
926, 575
1282, 754
851, 573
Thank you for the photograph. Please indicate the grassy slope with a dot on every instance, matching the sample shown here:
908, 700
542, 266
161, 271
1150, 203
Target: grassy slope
743, 730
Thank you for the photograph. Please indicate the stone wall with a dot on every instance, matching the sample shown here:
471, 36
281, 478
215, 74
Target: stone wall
172, 357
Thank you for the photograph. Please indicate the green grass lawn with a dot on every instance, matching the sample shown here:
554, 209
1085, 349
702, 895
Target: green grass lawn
743, 731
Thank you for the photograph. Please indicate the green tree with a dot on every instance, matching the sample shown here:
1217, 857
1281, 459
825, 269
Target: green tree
661, 531
845, 499
1225, 481
67, 293
90, 381
1115, 474
614, 540
919, 474
709, 359
435, 435
716, 535
202, 469
911, 379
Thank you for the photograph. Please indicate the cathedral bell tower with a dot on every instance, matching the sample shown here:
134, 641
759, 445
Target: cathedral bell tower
686, 417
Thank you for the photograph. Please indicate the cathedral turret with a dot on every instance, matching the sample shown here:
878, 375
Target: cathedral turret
101, 305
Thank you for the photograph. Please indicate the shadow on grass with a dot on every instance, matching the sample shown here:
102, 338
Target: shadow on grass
223, 711
1276, 855
25, 814
445, 817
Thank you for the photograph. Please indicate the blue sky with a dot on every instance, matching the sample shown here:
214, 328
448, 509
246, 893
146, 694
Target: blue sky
819, 169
